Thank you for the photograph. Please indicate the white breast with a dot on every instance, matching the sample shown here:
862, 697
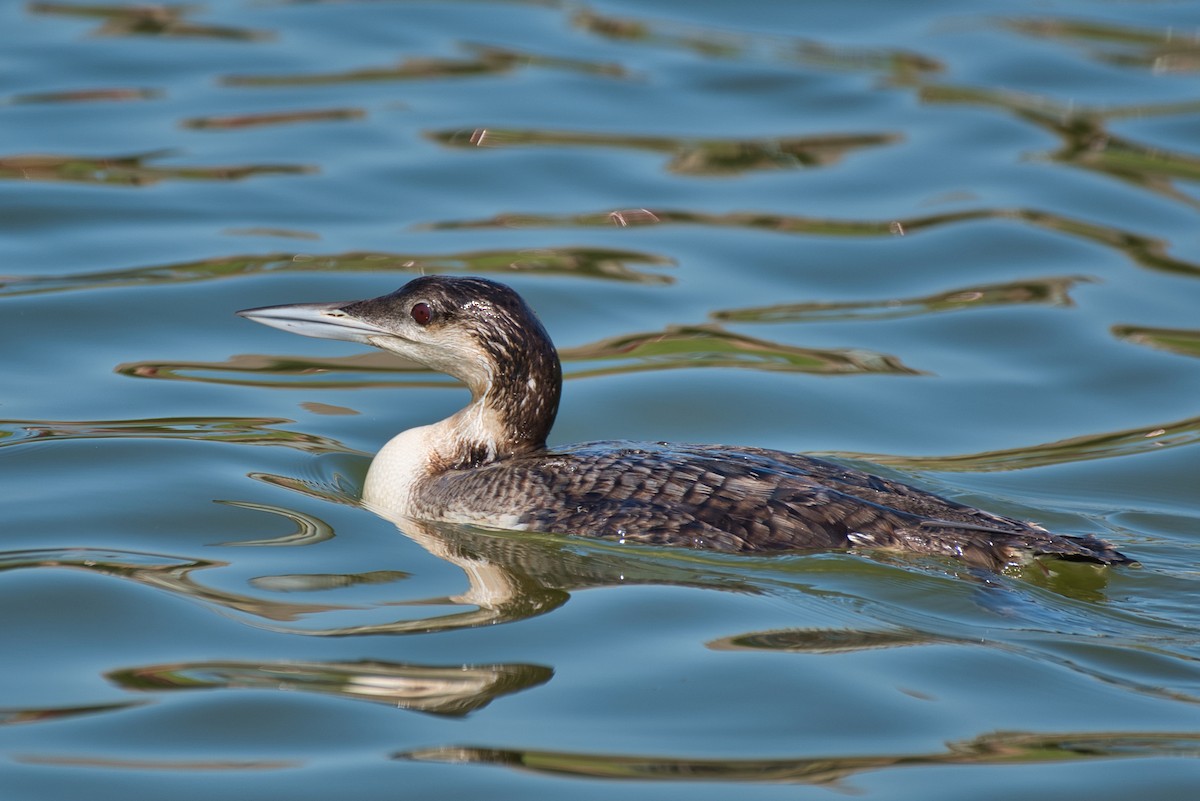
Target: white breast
397, 468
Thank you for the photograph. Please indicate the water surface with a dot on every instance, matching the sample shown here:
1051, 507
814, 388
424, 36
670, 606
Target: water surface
957, 242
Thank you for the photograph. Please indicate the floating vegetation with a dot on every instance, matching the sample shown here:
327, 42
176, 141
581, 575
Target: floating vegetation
602, 263
1183, 341
1047, 291
1162, 51
688, 156
484, 61
239, 121
453, 690
149, 20
113, 95
129, 170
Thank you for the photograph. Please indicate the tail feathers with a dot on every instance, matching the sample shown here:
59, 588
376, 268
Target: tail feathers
1085, 548
989, 546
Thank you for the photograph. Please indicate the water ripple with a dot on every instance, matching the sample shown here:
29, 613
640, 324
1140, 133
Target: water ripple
588, 262
689, 156
997, 748
131, 170
148, 20
1106, 445
1048, 291
1142, 250
453, 690
239, 430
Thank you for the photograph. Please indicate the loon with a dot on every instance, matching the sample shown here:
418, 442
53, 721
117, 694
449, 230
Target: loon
489, 464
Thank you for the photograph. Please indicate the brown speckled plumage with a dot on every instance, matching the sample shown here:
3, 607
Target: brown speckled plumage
488, 464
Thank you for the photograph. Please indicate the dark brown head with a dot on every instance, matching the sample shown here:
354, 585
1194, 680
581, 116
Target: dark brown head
476, 330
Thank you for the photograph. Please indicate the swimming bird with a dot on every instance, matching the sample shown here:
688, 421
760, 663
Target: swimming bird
489, 465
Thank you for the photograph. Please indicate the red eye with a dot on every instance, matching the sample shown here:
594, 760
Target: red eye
421, 313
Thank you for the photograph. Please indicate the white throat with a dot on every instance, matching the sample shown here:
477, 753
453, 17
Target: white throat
418, 454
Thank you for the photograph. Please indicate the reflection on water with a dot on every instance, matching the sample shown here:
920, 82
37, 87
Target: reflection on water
675, 347
827, 641
1184, 341
710, 346
665, 126
483, 61
148, 20
688, 156
452, 690
129, 170
118, 95
161, 572
1087, 143
1000, 748
310, 530
1123, 45
901, 66
245, 431
1106, 445
1142, 250
1049, 291
605, 263
239, 121
31, 715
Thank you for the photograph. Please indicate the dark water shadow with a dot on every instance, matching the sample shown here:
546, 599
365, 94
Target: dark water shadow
997, 748
132, 170
148, 20
452, 690
696, 157
1053, 291
584, 262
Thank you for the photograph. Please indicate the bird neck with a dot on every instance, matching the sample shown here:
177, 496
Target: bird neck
510, 413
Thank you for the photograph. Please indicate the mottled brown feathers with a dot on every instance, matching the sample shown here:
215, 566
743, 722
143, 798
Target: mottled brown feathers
488, 463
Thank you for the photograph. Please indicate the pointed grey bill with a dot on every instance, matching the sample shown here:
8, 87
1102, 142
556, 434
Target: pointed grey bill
321, 320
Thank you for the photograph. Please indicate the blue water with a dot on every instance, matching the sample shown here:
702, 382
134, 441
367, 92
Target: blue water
956, 241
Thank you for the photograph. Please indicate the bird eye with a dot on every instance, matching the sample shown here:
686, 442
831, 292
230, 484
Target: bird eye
421, 313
